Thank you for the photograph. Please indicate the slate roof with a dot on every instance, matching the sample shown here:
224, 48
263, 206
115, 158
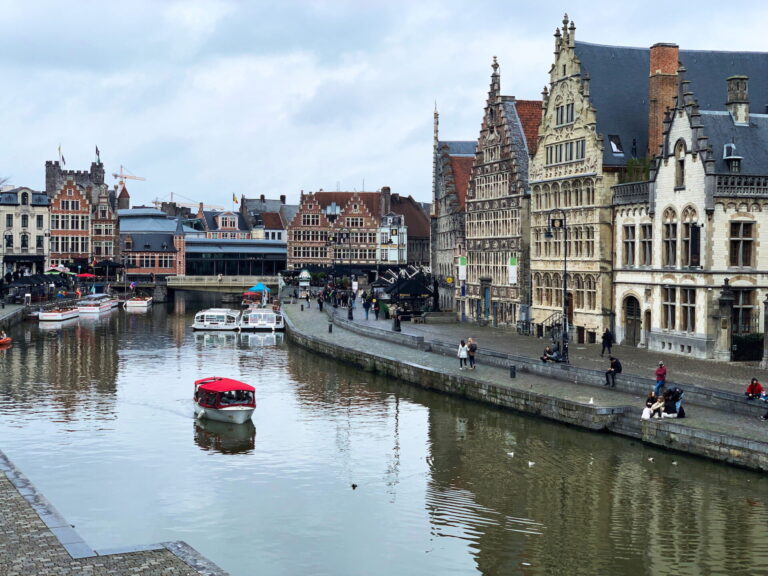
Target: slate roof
11, 197
151, 242
751, 141
619, 88
231, 246
148, 220
459, 148
211, 224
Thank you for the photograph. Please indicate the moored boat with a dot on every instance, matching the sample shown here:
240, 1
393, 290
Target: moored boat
262, 319
139, 302
224, 399
217, 319
5, 342
96, 303
59, 314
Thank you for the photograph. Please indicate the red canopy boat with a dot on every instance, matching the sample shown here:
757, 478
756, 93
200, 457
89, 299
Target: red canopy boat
224, 399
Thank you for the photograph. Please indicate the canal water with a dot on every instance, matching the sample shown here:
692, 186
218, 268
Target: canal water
343, 472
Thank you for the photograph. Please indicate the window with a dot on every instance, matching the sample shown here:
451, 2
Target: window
9, 220
25, 221
25, 240
39, 221
680, 164
578, 300
741, 244
39, 242
565, 152
354, 222
669, 240
668, 302
24, 198
615, 142
564, 114
743, 309
629, 245
646, 244
9, 240
590, 289
691, 239
688, 308
310, 219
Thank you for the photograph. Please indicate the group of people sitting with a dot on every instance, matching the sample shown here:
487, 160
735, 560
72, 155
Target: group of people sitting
553, 354
668, 404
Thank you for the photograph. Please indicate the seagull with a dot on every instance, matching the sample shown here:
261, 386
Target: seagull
650, 459
591, 400
674, 463
354, 486
511, 454
530, 464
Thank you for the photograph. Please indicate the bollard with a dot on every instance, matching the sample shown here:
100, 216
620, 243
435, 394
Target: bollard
512, 371
302, 307
330, 327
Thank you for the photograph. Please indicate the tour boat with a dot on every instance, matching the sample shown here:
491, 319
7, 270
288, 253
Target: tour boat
59, 314
224, 399
96, 303
142, 302
217, 319
261, 319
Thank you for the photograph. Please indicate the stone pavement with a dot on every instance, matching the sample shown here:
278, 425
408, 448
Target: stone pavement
725, 376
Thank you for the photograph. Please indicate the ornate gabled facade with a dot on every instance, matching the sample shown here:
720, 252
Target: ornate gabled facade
690, 267
71, 227
451, 169
497, 232
24, 217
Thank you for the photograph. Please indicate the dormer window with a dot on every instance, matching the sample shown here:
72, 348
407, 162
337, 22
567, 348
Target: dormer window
355, 208
24, 198
615, 143
731, 159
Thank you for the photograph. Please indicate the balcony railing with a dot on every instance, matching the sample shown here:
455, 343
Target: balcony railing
741, 185
631, 193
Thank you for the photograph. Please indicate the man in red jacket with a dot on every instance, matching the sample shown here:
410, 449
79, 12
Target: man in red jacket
661, 378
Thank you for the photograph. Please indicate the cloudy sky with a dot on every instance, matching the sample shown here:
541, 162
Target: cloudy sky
206, 99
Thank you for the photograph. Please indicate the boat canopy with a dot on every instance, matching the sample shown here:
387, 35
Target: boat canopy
217, 384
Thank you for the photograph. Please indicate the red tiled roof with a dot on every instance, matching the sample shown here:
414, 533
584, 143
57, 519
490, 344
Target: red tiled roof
415, 219
272, 221
530, 113
461, 166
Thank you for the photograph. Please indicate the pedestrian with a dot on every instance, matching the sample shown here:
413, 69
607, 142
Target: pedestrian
366, 307
462, 353
471, 351
306, 297
376, 308
607, 340
661, 378
754, 390
320, 302
220, 277
610, 375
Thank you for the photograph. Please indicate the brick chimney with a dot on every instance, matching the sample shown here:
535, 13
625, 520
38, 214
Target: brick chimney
386, 198
738, 99
662, 89
282, 198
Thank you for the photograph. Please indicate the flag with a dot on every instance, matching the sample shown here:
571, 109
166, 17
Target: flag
234, 198
63, 162
98, 155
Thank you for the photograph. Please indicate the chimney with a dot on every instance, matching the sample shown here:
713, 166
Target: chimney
262, 197
282, 198
385, 200
662, 89
200, 211
738, 101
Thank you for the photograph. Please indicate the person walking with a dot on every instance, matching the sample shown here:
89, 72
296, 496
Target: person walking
607, 340
463, 353
610, 375
661, 378
366, 307
376, 308
471, 351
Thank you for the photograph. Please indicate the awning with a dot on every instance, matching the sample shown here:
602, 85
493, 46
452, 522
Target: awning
24, 258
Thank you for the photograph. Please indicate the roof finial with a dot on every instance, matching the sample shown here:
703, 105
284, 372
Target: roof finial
495, 65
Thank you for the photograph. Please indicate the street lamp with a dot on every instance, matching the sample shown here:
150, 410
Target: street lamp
561, 223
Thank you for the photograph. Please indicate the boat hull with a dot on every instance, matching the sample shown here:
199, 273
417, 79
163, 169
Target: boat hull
58, 315
139, 304
233, 415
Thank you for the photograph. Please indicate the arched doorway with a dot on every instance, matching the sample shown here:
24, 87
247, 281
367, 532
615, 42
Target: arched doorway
632, 321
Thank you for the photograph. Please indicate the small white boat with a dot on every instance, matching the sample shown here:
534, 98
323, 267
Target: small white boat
217, 319
59, 314
262, 319
96, 304
142, 302
224, 400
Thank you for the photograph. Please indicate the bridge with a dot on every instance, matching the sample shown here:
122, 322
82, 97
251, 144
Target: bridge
234, 284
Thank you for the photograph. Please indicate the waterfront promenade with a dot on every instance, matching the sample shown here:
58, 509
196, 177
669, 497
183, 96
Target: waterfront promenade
721, 424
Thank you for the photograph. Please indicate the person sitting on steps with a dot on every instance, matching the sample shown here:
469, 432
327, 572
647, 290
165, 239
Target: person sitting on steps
551, 355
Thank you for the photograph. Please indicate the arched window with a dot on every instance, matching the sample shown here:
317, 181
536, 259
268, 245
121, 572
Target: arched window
24, 198
578, 292
669, 238
547, 290
590, 293
691, 238
680, 164
538, 292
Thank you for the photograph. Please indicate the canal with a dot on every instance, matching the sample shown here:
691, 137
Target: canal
344, 472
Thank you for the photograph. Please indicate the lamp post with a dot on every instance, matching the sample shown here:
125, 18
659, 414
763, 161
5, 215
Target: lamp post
561, 223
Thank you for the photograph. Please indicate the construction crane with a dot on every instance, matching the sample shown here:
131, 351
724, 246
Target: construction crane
122, 176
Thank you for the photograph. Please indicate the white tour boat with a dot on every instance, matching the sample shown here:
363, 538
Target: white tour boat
140, 302
59, 314
217, 319
224, 399
262, 319
96, 303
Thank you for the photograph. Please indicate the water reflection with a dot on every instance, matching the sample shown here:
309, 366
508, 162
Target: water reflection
225, 438
247, 339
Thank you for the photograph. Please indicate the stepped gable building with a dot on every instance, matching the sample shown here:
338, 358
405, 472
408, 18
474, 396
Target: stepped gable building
83, 215
451, 170
497, 232
603, 113
340, 232
691, 272
24, 216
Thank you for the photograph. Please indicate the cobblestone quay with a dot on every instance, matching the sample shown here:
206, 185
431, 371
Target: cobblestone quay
720, 423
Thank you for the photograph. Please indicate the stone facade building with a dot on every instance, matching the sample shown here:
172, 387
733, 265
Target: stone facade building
24, 217
496, 228
690, 267
451, 170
